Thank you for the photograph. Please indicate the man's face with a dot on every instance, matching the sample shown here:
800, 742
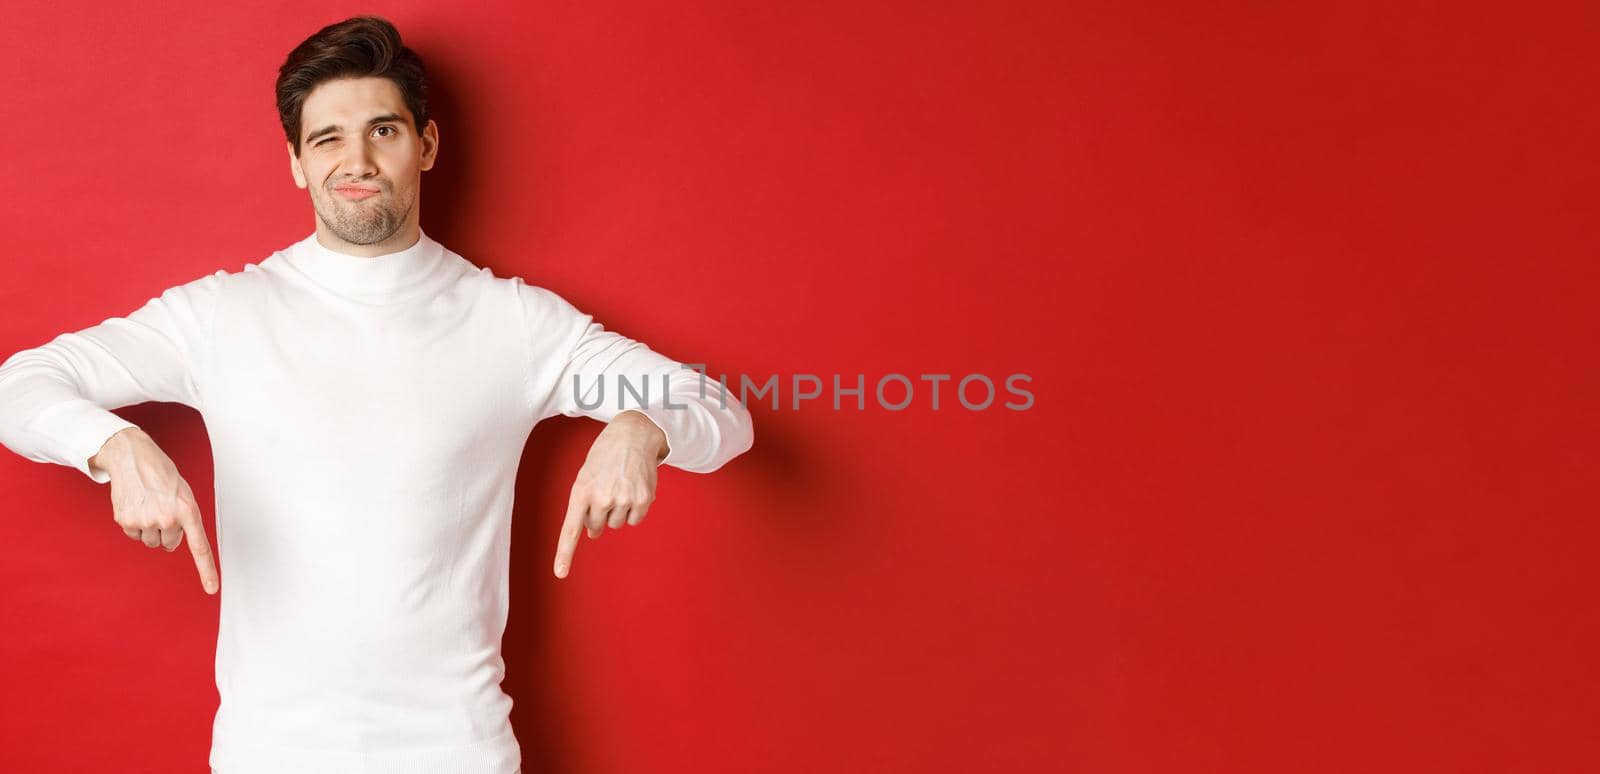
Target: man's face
361, 158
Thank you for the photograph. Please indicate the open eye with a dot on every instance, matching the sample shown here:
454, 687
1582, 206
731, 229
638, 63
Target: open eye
391, 130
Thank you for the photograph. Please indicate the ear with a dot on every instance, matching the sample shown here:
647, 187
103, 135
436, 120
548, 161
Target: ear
430, 144
294, 166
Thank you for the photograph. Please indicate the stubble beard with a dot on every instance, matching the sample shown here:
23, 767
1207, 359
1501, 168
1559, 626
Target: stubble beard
363, 222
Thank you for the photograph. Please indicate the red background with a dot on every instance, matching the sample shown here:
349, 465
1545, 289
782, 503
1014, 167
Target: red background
1307, 296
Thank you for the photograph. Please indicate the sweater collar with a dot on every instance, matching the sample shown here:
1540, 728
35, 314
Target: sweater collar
378, 278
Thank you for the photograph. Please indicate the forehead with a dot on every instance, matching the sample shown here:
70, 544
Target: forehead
349, 102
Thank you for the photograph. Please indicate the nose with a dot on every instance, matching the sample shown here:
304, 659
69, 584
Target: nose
357, 160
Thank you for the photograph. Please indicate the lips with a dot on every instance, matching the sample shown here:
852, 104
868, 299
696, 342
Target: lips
356, 191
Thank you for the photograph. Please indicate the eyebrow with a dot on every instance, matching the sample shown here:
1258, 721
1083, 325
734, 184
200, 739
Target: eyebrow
332, 128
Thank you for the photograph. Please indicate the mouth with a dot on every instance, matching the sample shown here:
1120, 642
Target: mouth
356, 192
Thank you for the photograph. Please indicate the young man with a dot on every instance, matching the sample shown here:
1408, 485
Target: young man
367, 393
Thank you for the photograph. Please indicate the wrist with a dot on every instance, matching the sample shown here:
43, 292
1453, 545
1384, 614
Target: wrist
645, 432
113, 447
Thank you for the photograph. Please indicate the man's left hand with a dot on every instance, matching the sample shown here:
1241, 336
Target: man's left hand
616, 484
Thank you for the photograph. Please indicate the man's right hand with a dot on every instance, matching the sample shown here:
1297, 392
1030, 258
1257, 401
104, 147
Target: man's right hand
151, 502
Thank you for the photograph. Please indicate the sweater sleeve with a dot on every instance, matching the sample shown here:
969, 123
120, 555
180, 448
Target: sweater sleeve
582, 369
55, 399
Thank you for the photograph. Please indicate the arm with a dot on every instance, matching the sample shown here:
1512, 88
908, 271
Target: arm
659, 412
55, 399
582, 369
55, 402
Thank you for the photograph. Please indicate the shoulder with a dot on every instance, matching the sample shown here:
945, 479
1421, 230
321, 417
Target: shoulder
200, 292
536, 302
547, 320
538, 306
252, 273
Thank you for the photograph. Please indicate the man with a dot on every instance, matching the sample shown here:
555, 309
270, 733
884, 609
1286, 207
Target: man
367, 393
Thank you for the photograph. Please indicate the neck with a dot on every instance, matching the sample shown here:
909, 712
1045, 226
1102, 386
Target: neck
403, 238
375, 279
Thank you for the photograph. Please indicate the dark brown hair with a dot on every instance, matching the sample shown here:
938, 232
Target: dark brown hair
359, 47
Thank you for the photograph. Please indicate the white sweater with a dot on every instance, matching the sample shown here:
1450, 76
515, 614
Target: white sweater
366, 417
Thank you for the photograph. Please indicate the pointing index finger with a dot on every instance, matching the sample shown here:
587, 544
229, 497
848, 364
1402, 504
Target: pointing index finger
195, 535
569, 536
